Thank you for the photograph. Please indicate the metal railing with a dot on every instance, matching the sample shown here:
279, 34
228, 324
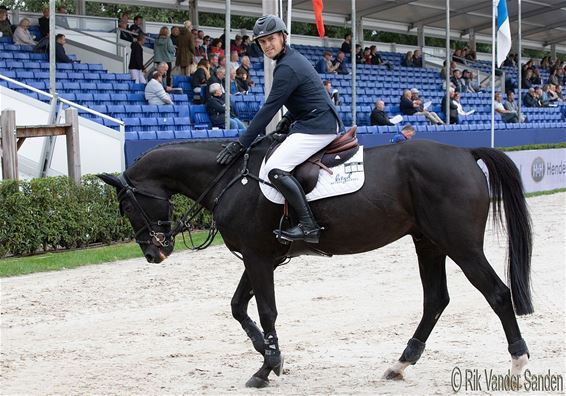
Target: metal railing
56, 111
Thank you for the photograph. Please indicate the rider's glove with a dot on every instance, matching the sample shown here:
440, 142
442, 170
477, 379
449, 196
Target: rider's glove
283, 125
229, 152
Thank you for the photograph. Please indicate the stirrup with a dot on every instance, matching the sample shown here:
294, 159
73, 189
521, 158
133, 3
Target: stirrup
310, 236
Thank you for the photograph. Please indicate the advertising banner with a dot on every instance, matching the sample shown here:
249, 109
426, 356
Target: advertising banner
541, 170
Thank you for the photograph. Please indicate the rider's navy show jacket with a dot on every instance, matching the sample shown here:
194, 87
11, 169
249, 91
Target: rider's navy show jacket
298, 86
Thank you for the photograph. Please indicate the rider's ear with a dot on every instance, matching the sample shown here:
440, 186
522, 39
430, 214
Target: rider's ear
111, 180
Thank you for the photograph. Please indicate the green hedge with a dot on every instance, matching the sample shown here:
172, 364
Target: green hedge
53, 213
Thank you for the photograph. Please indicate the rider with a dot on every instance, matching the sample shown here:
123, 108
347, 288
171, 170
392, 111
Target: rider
312, 122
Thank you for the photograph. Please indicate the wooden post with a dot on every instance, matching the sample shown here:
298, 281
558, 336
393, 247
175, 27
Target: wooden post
9, 150
73, 148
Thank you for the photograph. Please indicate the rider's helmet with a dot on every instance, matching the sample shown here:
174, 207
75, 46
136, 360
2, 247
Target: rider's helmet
268, 24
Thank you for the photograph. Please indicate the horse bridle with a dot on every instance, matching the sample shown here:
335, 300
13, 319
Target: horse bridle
158, 239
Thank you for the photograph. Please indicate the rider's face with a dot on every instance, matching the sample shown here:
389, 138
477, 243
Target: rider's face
272, 45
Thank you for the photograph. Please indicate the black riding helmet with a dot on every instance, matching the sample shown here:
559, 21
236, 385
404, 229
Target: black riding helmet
266, 25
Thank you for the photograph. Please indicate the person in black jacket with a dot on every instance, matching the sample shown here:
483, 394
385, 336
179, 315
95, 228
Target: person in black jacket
378, 115
44, 22
454, 117
136, 60
60, 54
312, 123
216, 109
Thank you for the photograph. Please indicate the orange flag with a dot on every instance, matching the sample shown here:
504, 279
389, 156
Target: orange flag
317, 6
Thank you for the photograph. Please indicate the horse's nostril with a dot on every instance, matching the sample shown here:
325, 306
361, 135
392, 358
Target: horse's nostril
149, 257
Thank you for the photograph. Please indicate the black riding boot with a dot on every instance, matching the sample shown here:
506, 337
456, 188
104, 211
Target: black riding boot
307, 230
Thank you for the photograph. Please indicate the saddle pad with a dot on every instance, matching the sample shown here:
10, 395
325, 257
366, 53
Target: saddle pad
346, 178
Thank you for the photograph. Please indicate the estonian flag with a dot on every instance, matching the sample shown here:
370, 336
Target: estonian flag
503, 32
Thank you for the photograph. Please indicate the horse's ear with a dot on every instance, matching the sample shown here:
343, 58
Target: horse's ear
110, 179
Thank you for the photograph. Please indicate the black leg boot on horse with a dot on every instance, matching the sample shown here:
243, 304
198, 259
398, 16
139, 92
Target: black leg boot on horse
307, 229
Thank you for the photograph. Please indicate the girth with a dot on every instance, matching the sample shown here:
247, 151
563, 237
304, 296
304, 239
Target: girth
336, 153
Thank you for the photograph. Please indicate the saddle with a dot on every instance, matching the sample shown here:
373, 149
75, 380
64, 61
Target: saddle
335, 153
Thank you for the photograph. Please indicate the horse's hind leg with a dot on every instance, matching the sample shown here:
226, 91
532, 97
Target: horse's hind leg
240, 300
433, 277
480, 273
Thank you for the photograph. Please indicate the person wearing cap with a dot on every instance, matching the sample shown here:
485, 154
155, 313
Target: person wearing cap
312, 122
216, 109
405, 134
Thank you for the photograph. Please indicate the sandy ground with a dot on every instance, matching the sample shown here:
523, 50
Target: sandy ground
135, 328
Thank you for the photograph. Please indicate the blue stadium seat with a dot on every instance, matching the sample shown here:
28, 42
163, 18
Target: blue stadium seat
179, 121
167, 134
216, 133
131, 135
147, 135
230, 133
199, 134
183, 134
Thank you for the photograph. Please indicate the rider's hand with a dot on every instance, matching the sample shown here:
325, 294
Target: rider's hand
283, 125
229, 152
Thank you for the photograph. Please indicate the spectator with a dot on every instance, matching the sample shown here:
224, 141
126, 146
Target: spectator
125, 18
124, 33
470, 83
217, 47
325, 65
512, 106
222, 61
540, 96
366, 56
378, 115
60, 54
245, 44
333, 93
457, 56
407, 60
136, 27
200, 80
242, 85
374, 56
347, 44
506, 115
553, 78
246, 66
558, 91
411, 104
61, 21
216, 108
545, 63
457, 81
238, 46
233, 86
359, 54
509, 61
340, 63
234, 60
136, 60
44, 22
22, 34
200, 50
200, 34
164, 51
254, 51
530, 99
4, 8
163, 68
5, 25
536, 79
417, 58
213, 62
453, 113
175, 31
406, 133
155, 93
218, 77
453, 66
185, 51
526, 79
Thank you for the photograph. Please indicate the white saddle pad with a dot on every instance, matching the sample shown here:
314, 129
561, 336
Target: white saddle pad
345, 179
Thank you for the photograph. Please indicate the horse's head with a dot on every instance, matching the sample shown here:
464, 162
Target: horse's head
150, 216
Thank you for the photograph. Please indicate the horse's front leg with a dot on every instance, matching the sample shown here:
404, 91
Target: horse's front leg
260, 274
242, 297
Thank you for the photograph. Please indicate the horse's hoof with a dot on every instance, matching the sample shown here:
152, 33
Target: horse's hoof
393, 375
278, 370
256, 382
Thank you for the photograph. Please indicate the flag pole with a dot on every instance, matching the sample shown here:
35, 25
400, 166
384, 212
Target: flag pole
493, 15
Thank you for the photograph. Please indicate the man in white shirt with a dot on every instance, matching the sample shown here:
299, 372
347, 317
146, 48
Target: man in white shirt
155, 93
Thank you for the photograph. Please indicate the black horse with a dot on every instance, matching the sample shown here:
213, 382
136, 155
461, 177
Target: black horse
436, 193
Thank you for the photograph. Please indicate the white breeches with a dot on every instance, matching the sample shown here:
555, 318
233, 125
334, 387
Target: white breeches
296, 149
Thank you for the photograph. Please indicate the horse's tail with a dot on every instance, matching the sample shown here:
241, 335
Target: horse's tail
505, 185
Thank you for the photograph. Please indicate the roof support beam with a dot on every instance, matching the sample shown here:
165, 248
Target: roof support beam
530, 14
556, 40
441, 17
383, 7
544, 28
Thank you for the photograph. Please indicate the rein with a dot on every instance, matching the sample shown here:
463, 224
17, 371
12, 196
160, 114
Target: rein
162, 239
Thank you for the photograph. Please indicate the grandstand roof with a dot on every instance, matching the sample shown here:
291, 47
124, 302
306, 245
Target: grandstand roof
543, 21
